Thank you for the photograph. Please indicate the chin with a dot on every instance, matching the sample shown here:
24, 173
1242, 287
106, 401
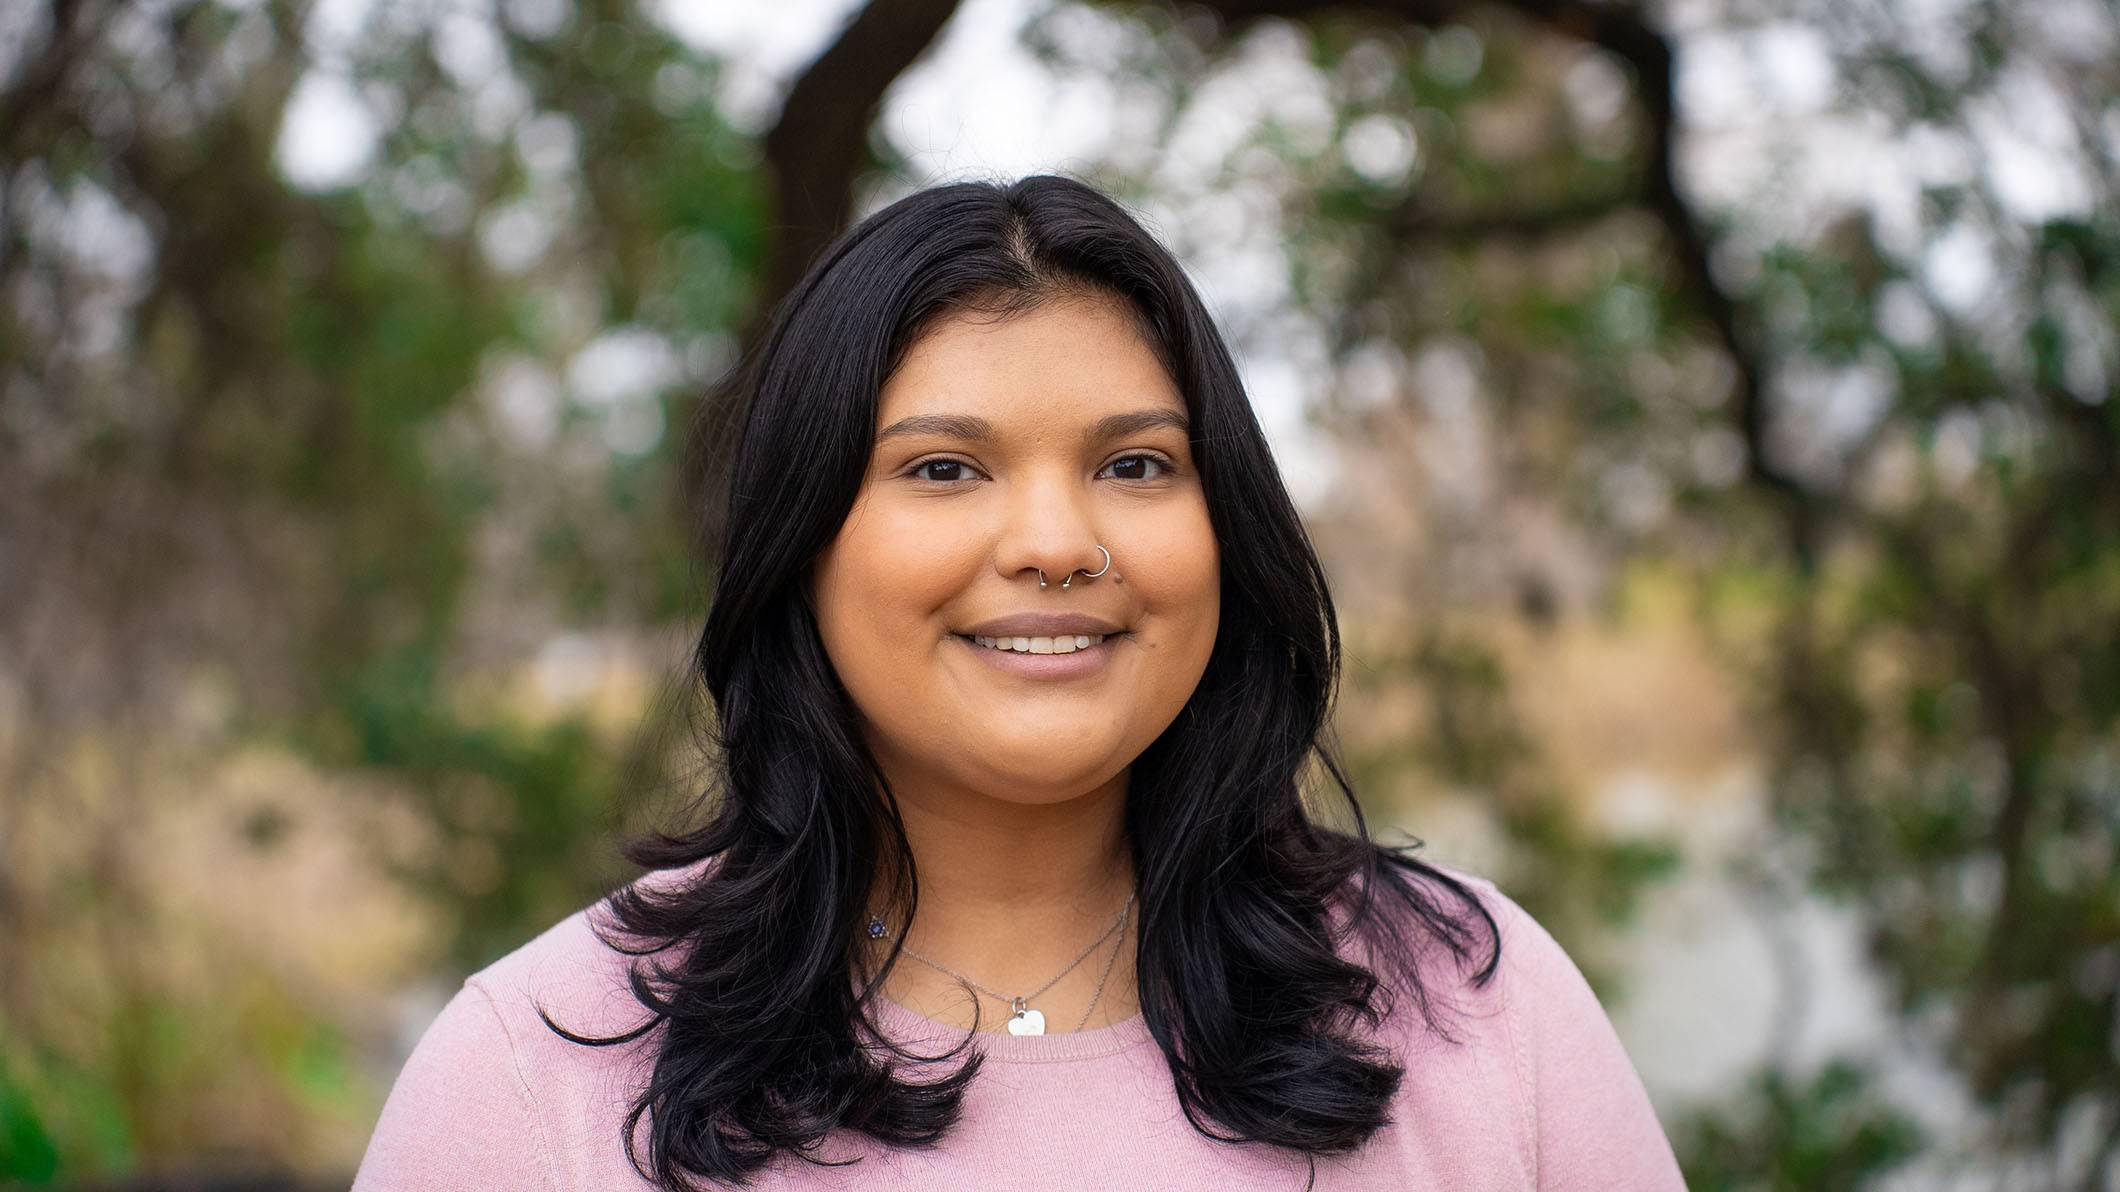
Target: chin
1036, 786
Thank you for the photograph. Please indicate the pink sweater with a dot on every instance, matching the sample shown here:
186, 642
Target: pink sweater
1540, 1095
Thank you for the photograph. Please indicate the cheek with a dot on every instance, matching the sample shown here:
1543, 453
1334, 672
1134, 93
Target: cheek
877, 588
1176, 578
1178, 568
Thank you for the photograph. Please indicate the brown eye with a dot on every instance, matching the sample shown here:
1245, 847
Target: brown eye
1134, 462
946, 476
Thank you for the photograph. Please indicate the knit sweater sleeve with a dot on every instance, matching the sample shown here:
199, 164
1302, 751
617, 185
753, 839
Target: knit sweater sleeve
1593, 1126
461, 1115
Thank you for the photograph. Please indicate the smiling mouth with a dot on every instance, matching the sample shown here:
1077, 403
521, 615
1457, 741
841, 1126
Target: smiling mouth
1063, 644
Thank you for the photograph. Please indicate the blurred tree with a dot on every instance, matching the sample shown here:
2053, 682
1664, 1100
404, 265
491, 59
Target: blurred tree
1825, 1132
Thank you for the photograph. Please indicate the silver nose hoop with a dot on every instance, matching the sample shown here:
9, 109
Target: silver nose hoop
1071, 575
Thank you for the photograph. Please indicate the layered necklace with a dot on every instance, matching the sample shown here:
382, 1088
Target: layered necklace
1023, 1019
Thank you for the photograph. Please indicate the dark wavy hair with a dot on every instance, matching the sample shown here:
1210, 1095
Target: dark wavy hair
769, 1042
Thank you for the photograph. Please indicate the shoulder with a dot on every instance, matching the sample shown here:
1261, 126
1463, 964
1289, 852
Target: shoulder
576, 966
1537, 986
1524, 945
1493, 931
462, 1112
574, 976
567, 967
1584, 1116
490, 1086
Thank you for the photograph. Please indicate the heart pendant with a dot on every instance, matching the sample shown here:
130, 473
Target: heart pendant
1027, 1022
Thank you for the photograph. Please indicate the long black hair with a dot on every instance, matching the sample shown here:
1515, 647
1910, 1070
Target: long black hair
767, 1041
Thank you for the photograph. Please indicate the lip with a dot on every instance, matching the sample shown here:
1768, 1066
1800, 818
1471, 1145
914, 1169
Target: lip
1042, 625
1076, 665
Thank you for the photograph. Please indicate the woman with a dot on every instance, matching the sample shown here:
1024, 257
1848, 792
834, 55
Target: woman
1018, 650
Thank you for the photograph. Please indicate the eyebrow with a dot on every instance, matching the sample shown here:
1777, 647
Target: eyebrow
979, 430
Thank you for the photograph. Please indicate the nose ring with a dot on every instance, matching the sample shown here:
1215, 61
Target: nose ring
1071, 575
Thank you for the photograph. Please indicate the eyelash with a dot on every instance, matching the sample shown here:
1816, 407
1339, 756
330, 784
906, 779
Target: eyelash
1168, 467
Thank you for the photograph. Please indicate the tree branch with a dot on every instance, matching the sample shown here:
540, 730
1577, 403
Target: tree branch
1627, 36
814, 153
1412, 221
818, 146
1623, 32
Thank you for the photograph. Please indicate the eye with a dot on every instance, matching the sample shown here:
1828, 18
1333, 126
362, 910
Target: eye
945, 479
1150, 457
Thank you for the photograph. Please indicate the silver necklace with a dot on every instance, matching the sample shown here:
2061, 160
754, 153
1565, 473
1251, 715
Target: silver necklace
1023, 1020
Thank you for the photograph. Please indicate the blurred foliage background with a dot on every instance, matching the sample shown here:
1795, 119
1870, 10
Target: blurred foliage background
1706, 408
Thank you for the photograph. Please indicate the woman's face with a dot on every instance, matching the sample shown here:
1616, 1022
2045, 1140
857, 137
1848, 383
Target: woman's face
1005, 447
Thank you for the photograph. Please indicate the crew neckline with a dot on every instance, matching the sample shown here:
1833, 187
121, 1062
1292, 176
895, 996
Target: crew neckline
908, 1026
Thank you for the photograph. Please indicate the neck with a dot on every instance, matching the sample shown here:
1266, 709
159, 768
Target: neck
1010, 893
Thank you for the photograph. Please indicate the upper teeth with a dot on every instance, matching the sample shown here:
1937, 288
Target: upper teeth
1042, 645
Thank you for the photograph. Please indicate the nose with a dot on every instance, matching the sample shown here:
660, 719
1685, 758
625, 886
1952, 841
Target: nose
1049, 527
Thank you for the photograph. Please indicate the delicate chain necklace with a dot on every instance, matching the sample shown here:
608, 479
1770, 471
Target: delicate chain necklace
1023, 1020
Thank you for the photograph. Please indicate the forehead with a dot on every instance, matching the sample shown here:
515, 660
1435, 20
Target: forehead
1070, 359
